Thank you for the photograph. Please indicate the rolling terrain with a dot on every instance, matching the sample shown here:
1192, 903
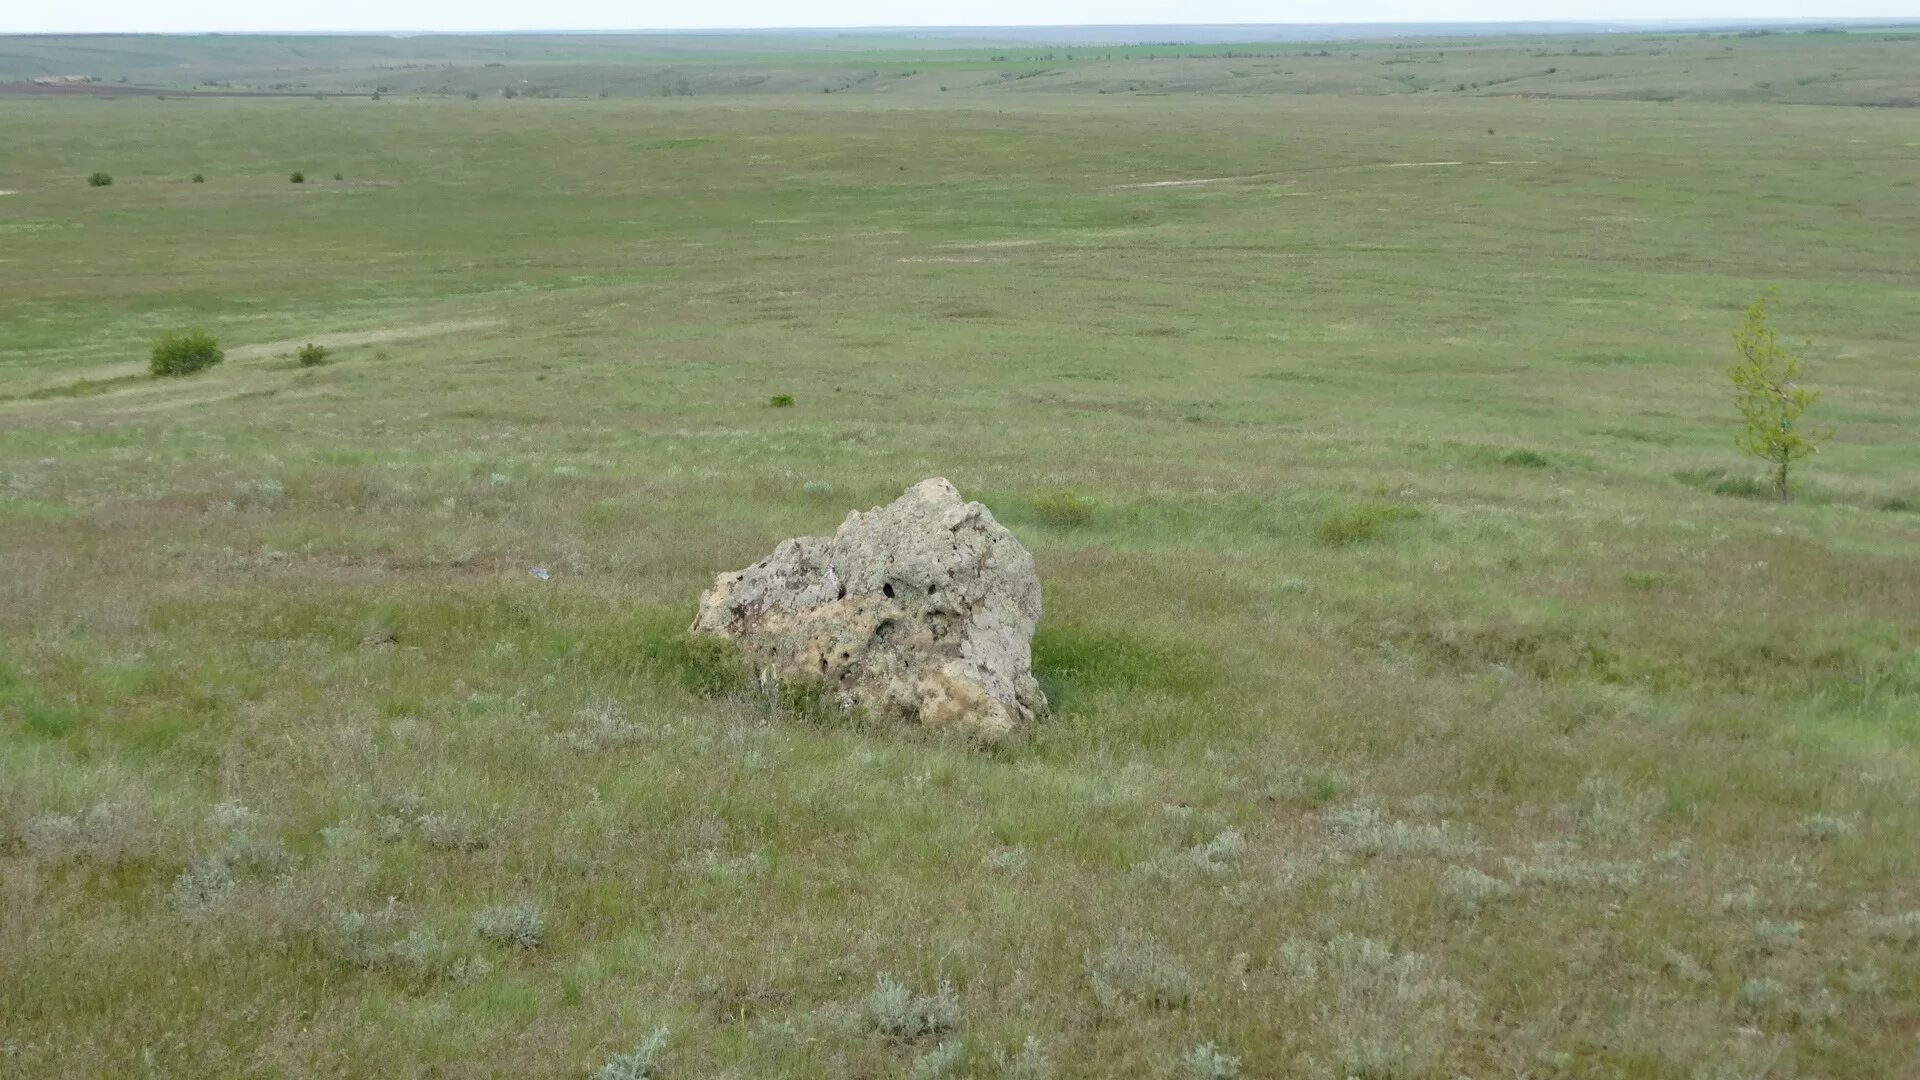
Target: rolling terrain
1436, 691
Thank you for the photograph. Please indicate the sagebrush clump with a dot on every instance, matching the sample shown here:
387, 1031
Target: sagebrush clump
520, 925
311, 355
184, 353
641, 1063
1468, 892
1209, 1062
100, 179
1136, 967
99, 834
382, 940
1216, 857
205, 882
940, 1062
1388, 1013
1361, 829
898, 1012
1031, 1062
1827, 827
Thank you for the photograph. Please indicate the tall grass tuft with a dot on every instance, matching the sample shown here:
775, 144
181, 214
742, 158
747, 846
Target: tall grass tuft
1361, 524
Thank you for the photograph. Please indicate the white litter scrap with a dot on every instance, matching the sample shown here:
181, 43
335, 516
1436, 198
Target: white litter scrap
540, 572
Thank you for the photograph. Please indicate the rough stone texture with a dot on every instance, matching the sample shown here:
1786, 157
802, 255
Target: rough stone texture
921, 612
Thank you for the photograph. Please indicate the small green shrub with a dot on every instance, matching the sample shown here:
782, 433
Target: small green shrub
1722, 482
298, 177
1361, 523
100, 179
339, 176
1646, 580
185, 353
1525, 459
780, 401
311, 355
1063, 509
199, 179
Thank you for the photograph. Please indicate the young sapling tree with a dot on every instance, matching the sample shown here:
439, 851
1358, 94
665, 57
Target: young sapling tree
1771, 400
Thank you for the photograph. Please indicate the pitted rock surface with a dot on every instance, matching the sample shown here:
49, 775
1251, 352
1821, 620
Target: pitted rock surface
921, 611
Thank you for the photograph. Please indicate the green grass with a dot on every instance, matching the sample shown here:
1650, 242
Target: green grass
1064, 509
1430, 698
1362, 523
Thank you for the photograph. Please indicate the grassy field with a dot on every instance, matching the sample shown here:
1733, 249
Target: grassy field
1432, 699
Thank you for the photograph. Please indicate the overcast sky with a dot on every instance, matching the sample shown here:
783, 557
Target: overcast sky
96, 16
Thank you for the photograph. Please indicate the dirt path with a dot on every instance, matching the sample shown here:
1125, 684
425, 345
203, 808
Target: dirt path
1189, 183
270, 349
362, 337
108, 90
1276, 176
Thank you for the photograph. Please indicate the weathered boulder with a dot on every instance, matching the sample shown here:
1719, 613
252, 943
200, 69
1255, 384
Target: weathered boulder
919, 612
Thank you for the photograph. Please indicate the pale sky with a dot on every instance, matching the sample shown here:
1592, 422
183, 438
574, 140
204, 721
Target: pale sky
105, 16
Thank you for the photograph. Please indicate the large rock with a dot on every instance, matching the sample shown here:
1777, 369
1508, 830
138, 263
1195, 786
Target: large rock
921, 612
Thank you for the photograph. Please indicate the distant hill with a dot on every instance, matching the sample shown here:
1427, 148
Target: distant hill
1860, 64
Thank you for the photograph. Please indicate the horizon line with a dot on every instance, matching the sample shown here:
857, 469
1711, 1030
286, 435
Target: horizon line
1676, 23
